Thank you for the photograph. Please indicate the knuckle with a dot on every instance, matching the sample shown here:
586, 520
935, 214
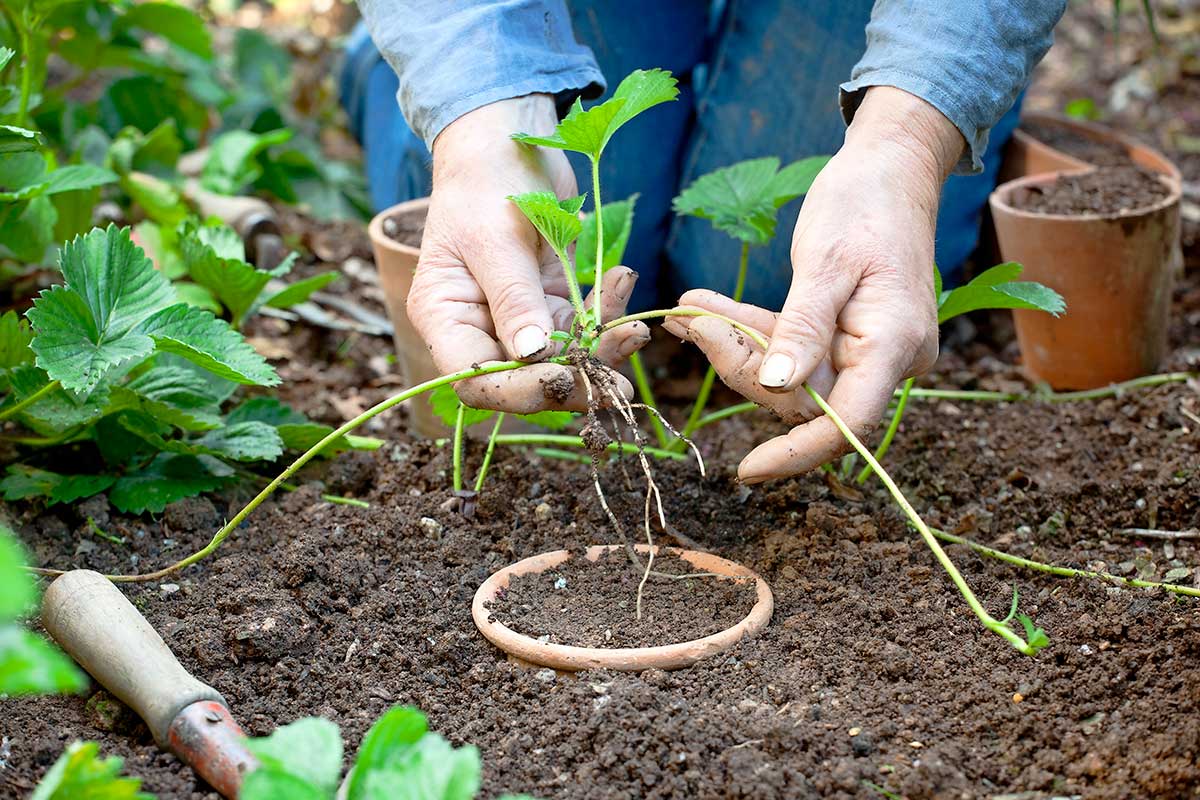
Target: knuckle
512, 301
800, 325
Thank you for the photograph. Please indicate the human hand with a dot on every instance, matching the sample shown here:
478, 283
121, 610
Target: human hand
860, 315
487, 287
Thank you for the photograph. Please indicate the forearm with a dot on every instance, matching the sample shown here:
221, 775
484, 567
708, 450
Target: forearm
454, 56
968, 59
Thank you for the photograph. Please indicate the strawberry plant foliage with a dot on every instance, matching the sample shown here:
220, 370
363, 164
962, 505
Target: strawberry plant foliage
997, 287
617, 225
398, 758
81, 773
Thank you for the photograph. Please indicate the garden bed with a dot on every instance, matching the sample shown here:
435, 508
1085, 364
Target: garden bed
872, 669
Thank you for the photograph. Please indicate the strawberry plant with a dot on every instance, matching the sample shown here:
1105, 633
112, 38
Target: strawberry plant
398, 757
81, 773
112, 372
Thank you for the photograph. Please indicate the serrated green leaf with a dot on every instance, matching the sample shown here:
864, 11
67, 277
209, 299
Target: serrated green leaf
23, 482
17, 590
303, 436
208, 342
88, 326
243, 441
431, 769
214, 256
445, 403
742, 199
169, 477
390, 739
29, 665
79, 774
618, 222
133, 150
998, 288
176, 396
197, 296
233, 159
309, 749
557, 220
175, 23
589, 131
58, 410
64, 179
27, 229
265, 409
15, 337
299, 291
18, 140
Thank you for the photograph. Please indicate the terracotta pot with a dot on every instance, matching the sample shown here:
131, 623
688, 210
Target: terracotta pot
629, 659
396, 263
1115, 272
1026, 155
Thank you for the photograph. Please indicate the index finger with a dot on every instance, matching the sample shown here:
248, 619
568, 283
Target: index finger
860, 396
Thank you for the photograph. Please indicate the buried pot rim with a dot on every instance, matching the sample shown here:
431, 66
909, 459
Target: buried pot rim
625, 659
1001, 196
382, 240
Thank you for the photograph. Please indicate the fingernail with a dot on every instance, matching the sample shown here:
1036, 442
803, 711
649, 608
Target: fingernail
776, 370
529, 341
632, 345
625, 286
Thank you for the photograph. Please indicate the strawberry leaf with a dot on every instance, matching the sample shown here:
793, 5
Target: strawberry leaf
299, 291
89, 325
81, 773
1034, 636
557, 220
445, 404
15, 337
208, 342
998, 288
169, 477
742, 199
23, 482
588, 131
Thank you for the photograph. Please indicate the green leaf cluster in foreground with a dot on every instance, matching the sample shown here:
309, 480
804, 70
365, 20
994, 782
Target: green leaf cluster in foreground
28, 664
129, 386
80, 773
399, 758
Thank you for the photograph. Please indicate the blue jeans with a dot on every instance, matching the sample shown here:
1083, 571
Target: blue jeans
757, 78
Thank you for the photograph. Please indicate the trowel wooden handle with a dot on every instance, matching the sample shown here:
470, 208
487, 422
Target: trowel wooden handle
89, 618
249, 216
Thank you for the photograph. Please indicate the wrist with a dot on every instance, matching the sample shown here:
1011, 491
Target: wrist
900, 125
490, 126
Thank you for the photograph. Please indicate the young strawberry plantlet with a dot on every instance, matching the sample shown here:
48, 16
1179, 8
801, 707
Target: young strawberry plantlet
743, 201
995, 288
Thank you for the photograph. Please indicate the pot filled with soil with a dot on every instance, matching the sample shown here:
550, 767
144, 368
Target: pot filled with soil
396, 238
573, 611
1104, 239
1054, 142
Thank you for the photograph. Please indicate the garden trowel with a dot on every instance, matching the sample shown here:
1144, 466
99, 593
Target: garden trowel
89, 618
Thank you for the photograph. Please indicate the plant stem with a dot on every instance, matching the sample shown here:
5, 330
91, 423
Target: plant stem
295, 466
562, 455
458, 446
487, 456
28, 401
893, 426
1065, 572
642, 381
564, 440
992, 624
1113, 390
684, 312
599, 274
339, 500
724, 413
710, 375
573, 290
26, 73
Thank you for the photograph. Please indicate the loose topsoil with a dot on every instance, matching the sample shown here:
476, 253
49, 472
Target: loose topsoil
872, 669
594, 604
405, 228
1107, 190
1093, 151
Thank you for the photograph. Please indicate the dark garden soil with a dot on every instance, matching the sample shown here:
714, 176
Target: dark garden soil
1093, 151
1106, 190
872, 670
593, 604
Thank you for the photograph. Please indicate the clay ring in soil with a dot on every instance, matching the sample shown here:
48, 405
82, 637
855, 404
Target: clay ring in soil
625, 659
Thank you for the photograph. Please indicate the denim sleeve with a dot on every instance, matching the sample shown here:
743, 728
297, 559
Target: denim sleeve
968, 58
453, 56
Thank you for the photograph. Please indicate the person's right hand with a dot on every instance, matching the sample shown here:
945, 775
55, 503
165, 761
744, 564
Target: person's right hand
487, 287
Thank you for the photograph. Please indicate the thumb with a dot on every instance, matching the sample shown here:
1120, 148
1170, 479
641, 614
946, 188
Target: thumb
508, 274
804, 329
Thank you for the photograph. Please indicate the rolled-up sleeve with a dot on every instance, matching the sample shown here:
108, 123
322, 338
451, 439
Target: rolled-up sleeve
453, 56
967, 58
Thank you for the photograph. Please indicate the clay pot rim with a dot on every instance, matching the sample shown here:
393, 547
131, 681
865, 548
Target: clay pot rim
999, 198
1098, 131
381, 239
627, 659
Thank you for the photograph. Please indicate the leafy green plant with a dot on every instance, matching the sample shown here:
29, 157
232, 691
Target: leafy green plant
398, 757
113, 361
81, 773
743, 201
214, 258
28, 663
994, 288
